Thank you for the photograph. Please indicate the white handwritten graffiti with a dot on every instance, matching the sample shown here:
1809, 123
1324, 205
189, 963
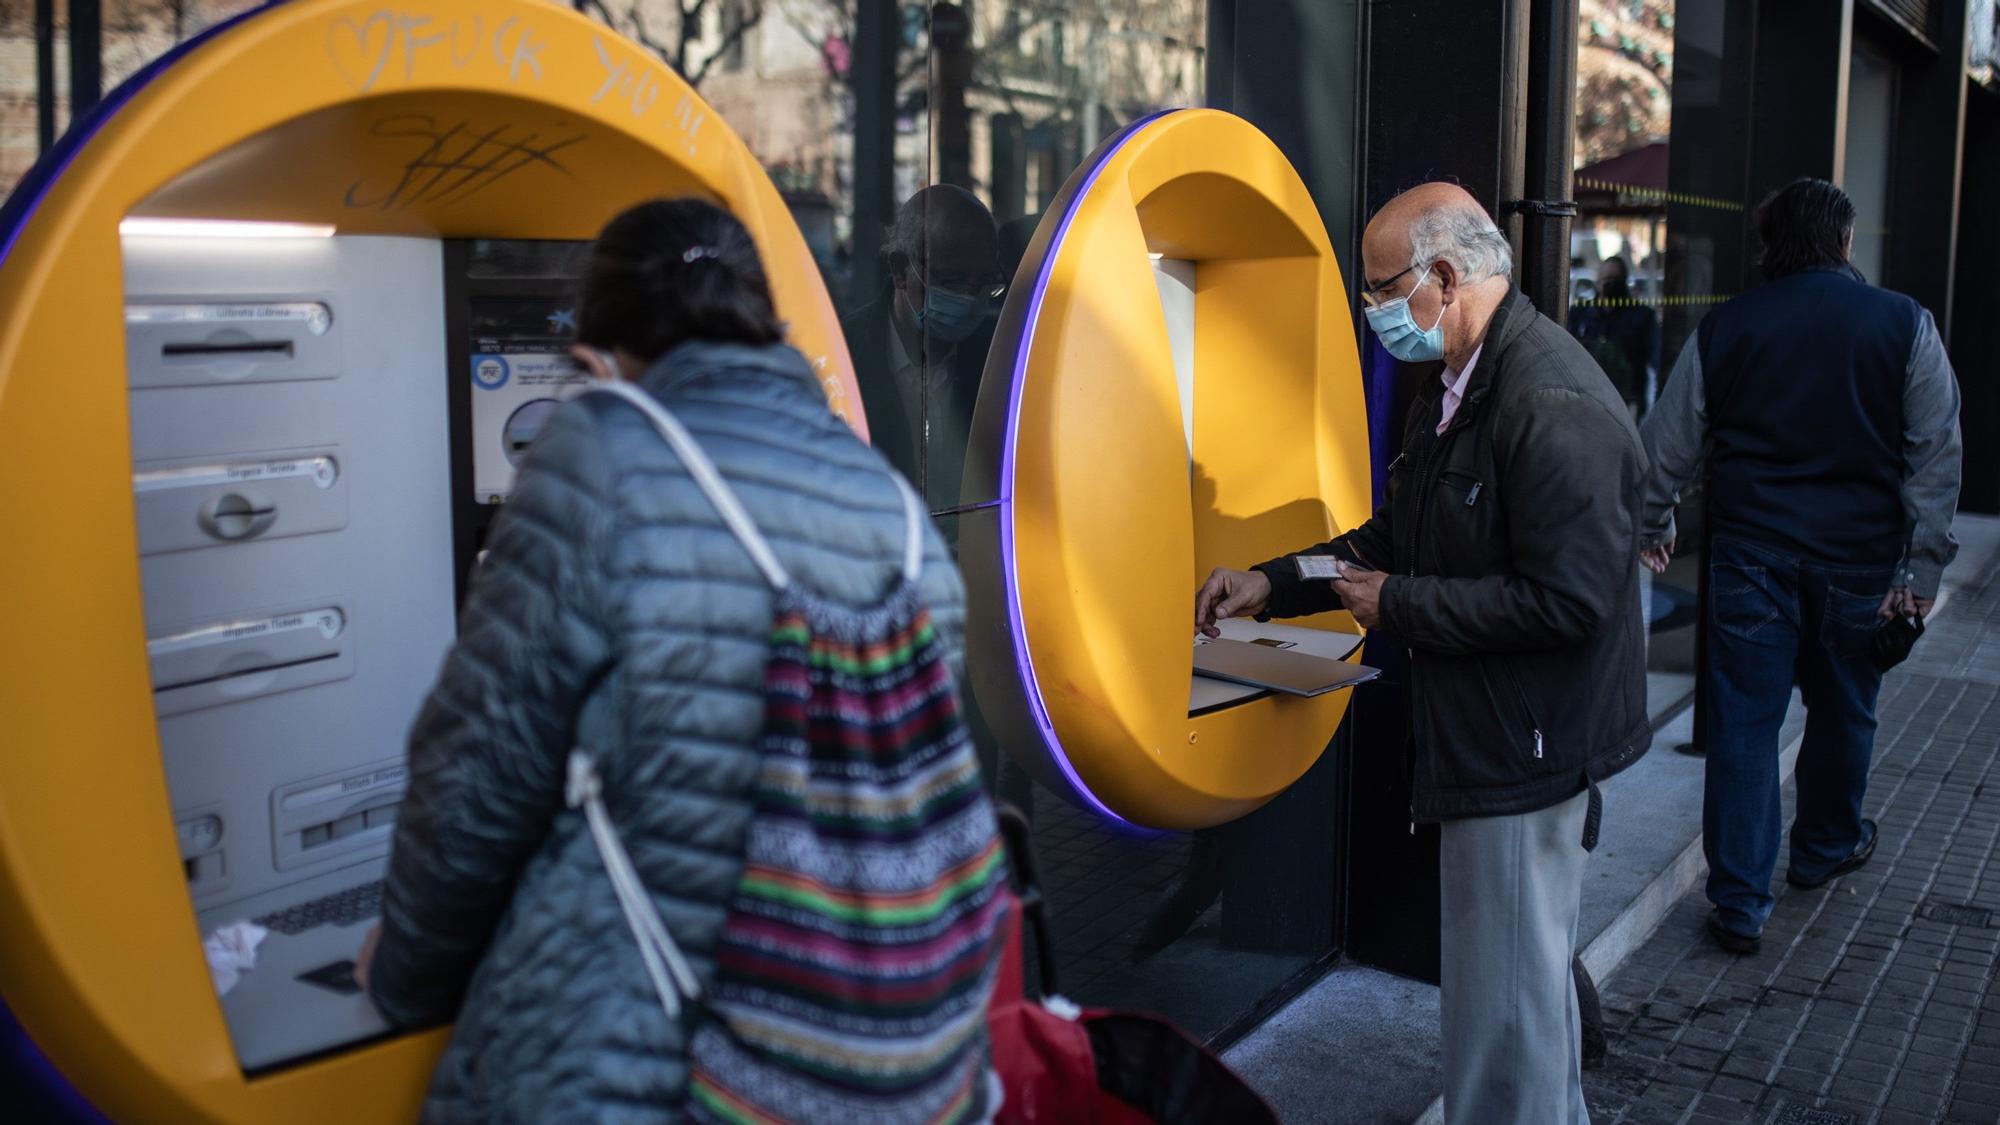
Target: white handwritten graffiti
623, 79
364, 51
688, 116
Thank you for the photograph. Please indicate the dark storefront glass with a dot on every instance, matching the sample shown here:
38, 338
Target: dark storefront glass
995, 105
133, 33
919, 145
1660, 234
1871, 110
1018, 96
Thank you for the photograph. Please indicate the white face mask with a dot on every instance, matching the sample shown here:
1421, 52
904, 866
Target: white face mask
1399, 331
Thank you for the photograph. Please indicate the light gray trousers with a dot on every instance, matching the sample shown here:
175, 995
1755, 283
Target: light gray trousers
1509, 888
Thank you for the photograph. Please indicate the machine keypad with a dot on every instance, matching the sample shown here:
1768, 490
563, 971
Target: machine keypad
341, 908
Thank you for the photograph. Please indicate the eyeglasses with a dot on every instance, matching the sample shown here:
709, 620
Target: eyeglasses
1372, 296
990, 284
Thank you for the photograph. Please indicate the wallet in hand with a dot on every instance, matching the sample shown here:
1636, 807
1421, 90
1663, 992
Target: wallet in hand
1894, 640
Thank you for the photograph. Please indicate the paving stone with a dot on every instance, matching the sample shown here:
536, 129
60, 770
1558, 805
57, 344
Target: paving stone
1977, 1094
1860, 1008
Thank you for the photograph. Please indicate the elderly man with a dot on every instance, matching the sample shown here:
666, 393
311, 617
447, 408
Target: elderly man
1505, 561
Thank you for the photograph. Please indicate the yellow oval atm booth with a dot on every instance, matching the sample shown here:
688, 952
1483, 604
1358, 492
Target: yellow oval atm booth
274, 324
1174, 387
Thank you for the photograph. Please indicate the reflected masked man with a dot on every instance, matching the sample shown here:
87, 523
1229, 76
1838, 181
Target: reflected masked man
943, 257
1503, 560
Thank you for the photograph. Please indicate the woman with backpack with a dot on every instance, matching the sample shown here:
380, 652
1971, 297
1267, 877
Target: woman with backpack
693, 827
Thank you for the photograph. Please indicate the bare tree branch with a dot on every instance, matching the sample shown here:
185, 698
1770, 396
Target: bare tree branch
731, 37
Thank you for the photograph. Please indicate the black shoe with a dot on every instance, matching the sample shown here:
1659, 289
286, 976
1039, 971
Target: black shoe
1743, 945
1861, 854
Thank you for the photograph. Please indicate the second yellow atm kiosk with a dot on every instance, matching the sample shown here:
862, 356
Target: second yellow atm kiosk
1173, 387
274, 325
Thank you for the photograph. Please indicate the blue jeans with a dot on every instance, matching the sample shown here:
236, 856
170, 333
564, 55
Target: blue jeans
1775, 621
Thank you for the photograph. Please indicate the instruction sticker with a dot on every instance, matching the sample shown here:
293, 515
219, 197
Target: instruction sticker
315, 316
322, 470
328, 621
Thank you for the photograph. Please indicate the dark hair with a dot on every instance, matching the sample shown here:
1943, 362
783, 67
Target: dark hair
673, 270
1804, 225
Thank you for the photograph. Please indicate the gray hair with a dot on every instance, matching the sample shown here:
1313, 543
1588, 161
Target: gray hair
1465, 237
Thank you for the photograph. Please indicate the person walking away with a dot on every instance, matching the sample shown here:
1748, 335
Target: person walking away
1827, 415
1505, 561
693, 830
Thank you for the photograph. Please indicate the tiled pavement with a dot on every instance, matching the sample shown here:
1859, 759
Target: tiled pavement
1874, 1000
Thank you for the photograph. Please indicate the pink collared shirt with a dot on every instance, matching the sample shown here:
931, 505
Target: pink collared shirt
1454, 387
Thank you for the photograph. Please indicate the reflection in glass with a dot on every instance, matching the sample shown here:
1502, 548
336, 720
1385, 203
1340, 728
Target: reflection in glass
1982, 57
942, 259
1625, 72
1658, 239
1871, 96
1196, 926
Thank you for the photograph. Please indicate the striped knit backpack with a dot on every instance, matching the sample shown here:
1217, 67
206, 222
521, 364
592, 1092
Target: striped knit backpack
855, 963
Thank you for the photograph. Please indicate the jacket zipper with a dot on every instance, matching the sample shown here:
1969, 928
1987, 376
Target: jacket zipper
1521, 694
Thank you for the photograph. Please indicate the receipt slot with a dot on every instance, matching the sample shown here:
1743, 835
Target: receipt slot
245, 458
1178, 389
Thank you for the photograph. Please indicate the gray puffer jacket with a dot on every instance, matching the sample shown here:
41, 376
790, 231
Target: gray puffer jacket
615, 611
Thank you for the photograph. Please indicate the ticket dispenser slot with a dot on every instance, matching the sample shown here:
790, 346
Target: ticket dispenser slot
209, 342
329, 817
215, 501
227, 661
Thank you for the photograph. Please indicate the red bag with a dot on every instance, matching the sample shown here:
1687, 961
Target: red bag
1058, 1063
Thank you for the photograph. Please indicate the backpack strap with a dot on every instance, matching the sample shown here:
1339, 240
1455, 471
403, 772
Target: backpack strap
672, 976
705, 475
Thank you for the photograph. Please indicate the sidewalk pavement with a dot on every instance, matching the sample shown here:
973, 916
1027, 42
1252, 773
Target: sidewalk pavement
1873, 999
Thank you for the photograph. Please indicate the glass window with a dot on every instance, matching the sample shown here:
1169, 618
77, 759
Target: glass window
19, 139
1660, 236
1983, 53
918, 165
135, 32
1871, 111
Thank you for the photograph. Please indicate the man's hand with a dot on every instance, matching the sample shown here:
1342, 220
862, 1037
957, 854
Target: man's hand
1900, 603
1361, 592
365, 958
1229, 593
1657, 558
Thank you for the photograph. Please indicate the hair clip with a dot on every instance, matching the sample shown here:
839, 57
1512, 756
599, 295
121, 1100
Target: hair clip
695, 252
